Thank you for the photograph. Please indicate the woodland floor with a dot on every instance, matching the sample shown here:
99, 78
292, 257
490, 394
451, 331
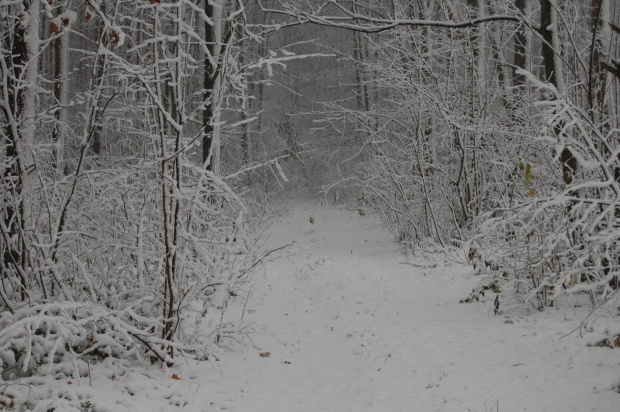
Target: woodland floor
353, 323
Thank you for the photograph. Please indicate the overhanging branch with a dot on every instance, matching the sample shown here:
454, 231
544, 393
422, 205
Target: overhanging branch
351, 20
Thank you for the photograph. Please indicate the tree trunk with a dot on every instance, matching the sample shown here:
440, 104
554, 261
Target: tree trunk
211, 84
553, 73
61, 86
98, 73
598, 77
20, 128
520, 50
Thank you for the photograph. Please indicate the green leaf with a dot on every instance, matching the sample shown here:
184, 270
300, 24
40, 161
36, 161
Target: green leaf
529, 176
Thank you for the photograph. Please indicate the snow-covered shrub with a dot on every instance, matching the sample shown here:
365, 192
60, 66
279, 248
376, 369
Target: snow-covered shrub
59, 339
105, 293
559, 239
118, 240
426, 159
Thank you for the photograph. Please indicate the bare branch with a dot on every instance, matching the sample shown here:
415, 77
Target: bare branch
352, 20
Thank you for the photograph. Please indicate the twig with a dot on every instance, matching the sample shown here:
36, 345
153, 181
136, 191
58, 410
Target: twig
247, 298
263, 258
161, 358
590, 314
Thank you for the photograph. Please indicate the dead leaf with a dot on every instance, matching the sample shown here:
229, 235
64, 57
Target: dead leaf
287, 362
114, 38
6, 404
265, 354
175, 376
69, 383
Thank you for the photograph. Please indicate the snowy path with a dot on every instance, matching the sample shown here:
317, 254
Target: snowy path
366, 328
353, 324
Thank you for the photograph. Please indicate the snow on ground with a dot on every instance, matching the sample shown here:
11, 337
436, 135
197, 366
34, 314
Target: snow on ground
352, 323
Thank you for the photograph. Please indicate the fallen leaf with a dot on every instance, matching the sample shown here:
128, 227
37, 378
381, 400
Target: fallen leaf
69, 383
265, 354
5, 404
175, 376
287, 362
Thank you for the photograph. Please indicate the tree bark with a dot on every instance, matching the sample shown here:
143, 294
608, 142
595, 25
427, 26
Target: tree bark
553, 73
520, 43
20, 130
61, 86
211, 84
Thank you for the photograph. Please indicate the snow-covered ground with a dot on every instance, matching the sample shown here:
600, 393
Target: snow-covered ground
353, 323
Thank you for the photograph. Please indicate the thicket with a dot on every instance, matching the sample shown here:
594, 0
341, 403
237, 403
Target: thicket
130, 200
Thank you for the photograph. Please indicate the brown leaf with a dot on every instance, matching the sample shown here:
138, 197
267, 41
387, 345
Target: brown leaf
69, 383
175, 376
6, 404
265, 354
54, 27
114, 38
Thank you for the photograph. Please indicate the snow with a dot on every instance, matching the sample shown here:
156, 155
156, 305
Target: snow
353, 322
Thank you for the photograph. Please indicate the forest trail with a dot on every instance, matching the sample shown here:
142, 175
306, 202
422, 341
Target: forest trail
354, 324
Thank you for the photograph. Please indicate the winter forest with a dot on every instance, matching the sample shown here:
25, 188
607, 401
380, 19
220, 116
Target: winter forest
150, 150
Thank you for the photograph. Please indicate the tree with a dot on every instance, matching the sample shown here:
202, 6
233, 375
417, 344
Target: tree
113, 223
19, 81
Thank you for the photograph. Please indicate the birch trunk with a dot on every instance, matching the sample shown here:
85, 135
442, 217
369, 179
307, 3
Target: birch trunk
553, 72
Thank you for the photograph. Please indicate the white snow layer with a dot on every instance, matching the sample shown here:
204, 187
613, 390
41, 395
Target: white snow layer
352, 323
